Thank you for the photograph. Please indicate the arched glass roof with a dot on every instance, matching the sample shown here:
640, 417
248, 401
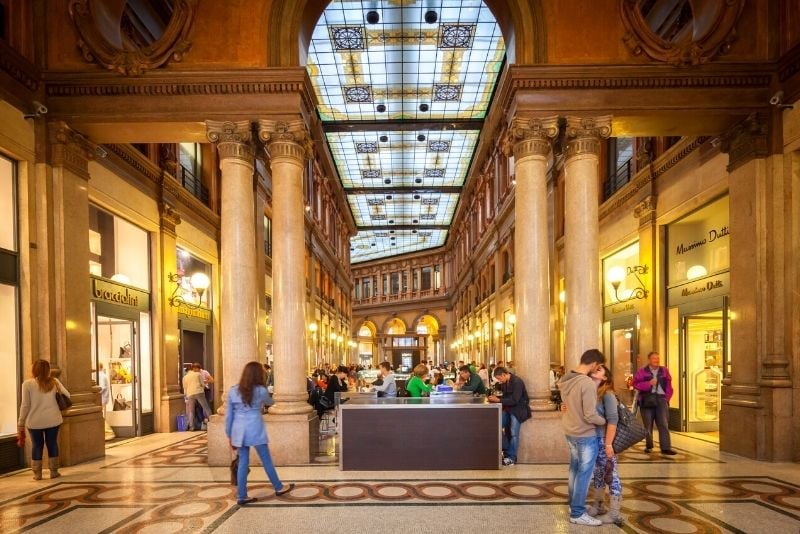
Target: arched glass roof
402, 88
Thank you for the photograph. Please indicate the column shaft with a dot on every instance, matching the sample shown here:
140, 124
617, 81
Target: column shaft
531, 263
581, 243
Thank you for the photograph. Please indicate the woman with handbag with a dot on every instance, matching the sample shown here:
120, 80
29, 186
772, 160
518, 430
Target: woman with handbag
245, 428
605, 468
40, 412
654, 384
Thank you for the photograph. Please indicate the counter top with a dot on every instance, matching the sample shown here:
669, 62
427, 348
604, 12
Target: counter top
439, 401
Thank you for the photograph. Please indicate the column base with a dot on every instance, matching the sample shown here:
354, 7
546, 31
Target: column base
171, 407
82, 435
293, 440
760, 430
541, 439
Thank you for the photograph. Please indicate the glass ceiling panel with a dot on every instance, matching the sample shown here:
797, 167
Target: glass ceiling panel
421, 60
445, 69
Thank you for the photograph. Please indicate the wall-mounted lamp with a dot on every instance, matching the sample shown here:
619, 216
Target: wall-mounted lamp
512, 319
312, 328
498, 325
199, 283
617, 274
562, 296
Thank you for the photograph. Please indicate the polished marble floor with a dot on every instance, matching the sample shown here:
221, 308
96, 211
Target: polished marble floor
160, 484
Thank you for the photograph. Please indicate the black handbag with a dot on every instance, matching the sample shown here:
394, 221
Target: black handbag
629, 430
64, 402
650, 400
235, 470
120, 403
325, 402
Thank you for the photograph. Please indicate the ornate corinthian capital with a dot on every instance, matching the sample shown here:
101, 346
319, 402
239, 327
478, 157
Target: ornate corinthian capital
531, 136
583, 134
71, 149
232, 139
286, 139
746, 141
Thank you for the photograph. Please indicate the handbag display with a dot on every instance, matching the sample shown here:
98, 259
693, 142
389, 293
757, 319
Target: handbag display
629, 430
64, 402
120, 403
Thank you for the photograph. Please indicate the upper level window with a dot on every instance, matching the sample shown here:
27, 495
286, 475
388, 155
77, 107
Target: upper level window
3, 22
8, 205
620, 161
189, 268
190, 170
268, 236
118, 250
143, 22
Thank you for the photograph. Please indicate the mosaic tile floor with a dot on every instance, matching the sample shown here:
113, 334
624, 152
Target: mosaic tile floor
160, 484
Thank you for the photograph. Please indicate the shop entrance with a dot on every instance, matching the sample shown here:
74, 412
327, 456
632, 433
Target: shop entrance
624, 348
118, 355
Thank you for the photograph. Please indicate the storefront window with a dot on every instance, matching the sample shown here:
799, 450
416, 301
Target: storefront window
194, 274
698, 245
617, 272
8, 207
9, 358
118, 250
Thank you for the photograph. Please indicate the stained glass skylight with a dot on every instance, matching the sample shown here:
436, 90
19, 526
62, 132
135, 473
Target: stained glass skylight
409, 63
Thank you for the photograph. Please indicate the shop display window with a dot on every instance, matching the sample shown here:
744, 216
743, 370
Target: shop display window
190, 269
118, 250
9, 358
704, 360
8, 205
698, 245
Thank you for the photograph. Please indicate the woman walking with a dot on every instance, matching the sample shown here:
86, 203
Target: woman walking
245, 428
605, 469
42, 417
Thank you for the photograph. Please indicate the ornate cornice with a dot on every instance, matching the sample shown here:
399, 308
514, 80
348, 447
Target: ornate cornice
18, 68
530, 136
645, 210
233, 139
583, 134
286, 139
70, 149
96, 48
746, 141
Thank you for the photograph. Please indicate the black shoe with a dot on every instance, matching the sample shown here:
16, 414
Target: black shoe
669, 452
285, 490
648, 450
246, 501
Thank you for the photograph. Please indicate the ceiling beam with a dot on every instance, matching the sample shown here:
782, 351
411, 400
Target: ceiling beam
386, 227
401, 190
402, 125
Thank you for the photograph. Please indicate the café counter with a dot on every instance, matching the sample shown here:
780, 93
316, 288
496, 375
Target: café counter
411, 434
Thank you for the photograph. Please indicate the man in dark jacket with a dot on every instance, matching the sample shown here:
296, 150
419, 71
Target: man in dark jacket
470, 381
515, 411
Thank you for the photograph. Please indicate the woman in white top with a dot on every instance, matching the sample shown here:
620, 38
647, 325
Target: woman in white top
40, 414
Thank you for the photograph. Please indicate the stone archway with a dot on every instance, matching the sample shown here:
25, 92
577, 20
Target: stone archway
292, 23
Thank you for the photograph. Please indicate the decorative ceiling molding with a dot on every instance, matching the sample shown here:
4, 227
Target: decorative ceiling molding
701, 32
96, 48
18, 68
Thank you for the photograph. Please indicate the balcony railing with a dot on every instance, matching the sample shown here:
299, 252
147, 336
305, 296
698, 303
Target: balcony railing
193, 184
621, 176
404, 296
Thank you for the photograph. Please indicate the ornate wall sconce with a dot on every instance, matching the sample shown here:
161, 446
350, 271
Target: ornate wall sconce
616, 275
199, 283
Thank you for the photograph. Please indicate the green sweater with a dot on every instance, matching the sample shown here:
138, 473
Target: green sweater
416, 386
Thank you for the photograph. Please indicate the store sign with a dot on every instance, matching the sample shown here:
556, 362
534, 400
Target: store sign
620, 261
702, 288
195, 313
119, 294
698, 245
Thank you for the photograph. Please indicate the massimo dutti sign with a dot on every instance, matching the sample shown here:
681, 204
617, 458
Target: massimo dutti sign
107, 291
702, 288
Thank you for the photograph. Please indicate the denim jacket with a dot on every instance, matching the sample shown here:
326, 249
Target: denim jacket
244, 424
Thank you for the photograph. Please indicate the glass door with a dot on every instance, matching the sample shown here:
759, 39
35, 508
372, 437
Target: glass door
705, 344
118, 356
623, 356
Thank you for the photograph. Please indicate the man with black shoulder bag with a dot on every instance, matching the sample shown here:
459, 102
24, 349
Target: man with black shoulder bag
654, 386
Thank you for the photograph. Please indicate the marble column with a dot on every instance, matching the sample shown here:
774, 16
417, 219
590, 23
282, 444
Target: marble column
167, 367
581, 243
532, 141
288, 145
756, 414
82, 434
238, 257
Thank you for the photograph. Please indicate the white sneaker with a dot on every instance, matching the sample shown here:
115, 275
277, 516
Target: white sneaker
585, 519
508, 462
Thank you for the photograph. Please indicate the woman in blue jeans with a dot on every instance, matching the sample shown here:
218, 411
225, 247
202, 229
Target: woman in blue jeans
245, 428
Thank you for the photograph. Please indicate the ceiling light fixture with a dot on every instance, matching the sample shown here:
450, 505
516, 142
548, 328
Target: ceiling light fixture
420, 138
424, 107
381, 108
431, 17
373, 17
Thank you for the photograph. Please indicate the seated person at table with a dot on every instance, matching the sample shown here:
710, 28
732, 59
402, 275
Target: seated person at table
470, 381
388, 387
415, 385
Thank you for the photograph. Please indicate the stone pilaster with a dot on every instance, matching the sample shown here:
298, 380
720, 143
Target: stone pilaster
82, 435
755, 420
650, 307
581, 244
294, 424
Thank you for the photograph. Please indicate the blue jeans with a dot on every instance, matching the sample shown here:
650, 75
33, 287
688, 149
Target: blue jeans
244, 465
41, 437
510, 435
615, 489
582, 457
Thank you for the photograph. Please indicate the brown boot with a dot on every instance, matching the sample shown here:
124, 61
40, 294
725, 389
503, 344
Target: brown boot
597, 499
53, 465
613, 515
36, 467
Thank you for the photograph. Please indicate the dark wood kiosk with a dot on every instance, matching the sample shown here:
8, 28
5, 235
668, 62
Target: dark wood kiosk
412, 434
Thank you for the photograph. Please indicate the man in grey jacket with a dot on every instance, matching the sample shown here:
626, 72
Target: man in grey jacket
579, 395
388, 387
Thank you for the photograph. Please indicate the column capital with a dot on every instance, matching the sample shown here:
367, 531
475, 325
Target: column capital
645, 210
170, 219
71, 149
288, 139
233, 139
583, 134
746, 141
528, 136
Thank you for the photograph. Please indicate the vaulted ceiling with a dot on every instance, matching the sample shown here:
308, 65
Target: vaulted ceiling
403, 87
